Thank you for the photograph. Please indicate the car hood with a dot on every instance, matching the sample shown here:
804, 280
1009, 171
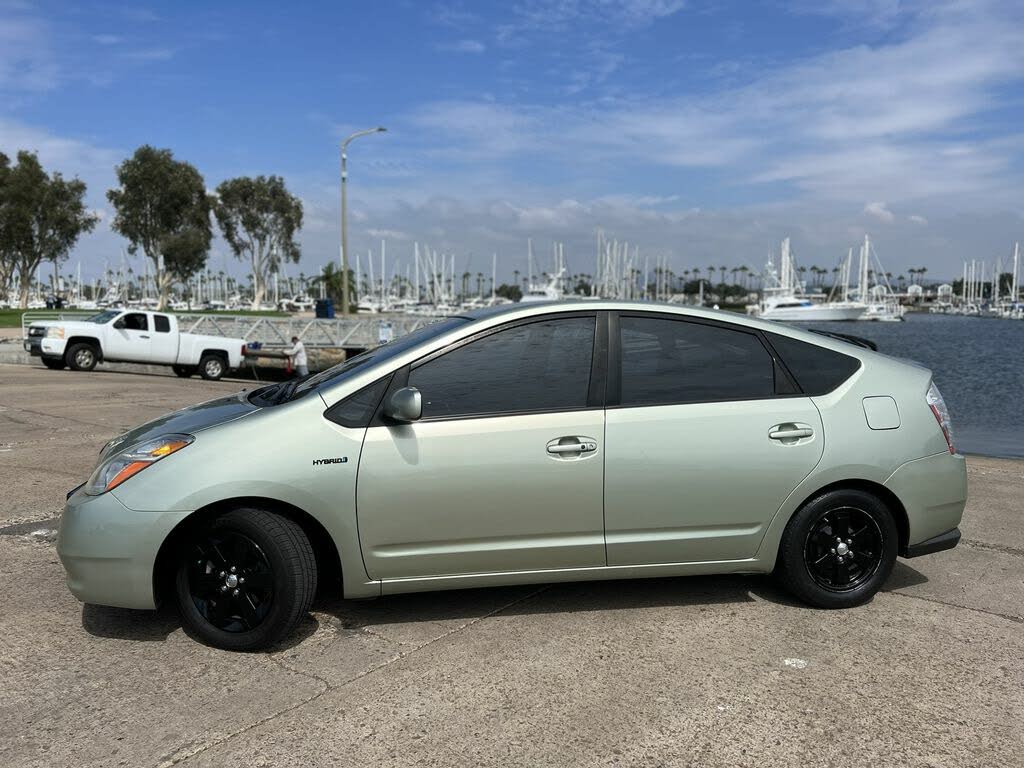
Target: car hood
189, 420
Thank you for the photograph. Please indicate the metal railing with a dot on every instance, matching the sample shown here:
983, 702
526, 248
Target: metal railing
359, 332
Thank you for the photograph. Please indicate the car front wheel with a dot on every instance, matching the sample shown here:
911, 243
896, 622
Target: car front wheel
839, 549
245, 580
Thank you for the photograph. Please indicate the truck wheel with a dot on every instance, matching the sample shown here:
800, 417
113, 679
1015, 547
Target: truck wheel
245, 580
81, 357
212, 367
54, 363
184, 371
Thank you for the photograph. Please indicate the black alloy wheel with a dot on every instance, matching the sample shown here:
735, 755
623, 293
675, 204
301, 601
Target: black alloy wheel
230, 581
245, 579
838, 549
843, 548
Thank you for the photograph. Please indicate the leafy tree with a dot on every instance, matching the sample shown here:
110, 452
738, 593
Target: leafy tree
259, 219
41, 218
331, 280
6, 253
511, 292
162, 207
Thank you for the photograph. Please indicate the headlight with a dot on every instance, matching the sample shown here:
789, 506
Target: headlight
54, 332
119, 467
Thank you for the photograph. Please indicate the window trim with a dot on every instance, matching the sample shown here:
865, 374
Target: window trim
614, 400
331, 414
599, 373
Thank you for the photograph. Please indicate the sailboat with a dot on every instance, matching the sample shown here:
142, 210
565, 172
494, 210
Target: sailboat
783, 298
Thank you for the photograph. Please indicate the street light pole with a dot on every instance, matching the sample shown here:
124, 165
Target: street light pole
344, 213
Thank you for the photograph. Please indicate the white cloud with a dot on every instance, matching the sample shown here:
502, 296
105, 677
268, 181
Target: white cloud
880, 212
27, 61
918, 219
106, 39
462, 46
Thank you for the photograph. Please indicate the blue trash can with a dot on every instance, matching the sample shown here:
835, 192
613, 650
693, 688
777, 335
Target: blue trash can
325, 308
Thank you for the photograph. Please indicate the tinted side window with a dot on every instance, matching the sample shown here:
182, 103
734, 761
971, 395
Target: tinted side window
161, 324
542, 366
674, 361
356, 410
817, 370
135, 321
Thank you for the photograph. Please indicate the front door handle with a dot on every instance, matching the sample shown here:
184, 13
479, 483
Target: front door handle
141, 336
572, 446
790, 432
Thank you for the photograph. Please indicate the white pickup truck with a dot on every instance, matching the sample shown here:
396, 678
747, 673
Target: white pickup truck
120, 335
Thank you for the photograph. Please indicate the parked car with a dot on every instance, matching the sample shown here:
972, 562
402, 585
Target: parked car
132, 336
531, 443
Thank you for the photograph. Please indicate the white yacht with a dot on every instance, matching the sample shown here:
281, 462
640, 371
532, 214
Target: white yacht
783, 298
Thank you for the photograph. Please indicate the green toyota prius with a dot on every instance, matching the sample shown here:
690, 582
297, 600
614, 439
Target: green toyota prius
532, 443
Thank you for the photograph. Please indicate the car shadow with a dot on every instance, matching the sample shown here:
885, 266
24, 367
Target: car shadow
903, 576
572, 597
470, 604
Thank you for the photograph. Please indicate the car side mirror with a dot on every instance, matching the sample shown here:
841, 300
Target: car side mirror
119, 323
404, 405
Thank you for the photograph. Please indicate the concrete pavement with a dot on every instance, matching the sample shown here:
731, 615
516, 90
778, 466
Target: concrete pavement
723, 671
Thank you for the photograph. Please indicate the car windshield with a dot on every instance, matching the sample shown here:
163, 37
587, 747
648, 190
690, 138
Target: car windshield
103, 317
378, 354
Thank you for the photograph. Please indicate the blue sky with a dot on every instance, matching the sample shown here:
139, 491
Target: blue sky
699, 131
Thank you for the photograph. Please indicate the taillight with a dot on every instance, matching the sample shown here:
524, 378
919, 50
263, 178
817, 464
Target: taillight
938, 406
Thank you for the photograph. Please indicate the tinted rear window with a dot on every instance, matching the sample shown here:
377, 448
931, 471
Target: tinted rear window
674, 361
817, 370
161, 324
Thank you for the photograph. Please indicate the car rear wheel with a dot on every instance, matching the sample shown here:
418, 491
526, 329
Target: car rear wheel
183, 371
245, 580
54, 363
839, 549
212, 367
81, 357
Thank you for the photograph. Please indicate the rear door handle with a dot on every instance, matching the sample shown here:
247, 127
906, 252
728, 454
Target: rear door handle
790, 432
563, 446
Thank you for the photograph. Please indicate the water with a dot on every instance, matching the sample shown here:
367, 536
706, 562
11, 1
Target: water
978, 364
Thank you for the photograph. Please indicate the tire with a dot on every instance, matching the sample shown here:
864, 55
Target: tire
212, 367
838, 550
275, 580
82, 356
54, 363
183, 371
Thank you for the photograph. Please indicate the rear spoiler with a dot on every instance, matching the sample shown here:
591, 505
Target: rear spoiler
859, 341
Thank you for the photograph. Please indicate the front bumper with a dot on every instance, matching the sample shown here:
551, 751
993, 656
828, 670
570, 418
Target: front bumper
109, 551
34, 346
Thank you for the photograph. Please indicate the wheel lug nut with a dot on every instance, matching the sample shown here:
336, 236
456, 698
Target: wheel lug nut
224, 588
241, 580
833, 550
233, 569
849, 541
235, 593
222, 574
840, 559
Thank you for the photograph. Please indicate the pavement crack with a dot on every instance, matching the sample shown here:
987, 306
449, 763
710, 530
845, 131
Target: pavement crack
1003, 548
182, 756
1008, 617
